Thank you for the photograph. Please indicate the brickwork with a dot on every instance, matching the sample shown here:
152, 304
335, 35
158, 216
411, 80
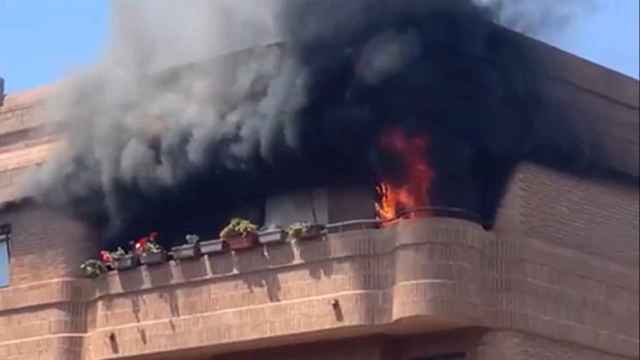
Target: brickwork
43, 307
590, 217
21, 158
510, 345
425, 275
20, 111
45, 244
24, 141
574, 248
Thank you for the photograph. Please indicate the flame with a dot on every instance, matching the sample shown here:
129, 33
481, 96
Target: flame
414, 191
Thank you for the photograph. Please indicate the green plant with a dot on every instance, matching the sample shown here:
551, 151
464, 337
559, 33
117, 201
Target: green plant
93, 268
153, 247
238, 227
301, 229
147, 245
297, 230
119, 254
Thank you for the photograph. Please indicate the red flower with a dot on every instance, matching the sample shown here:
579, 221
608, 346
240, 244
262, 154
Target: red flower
105, 257
141, 244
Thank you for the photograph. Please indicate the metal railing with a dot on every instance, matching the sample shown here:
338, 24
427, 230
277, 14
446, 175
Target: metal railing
425, 211
440, 211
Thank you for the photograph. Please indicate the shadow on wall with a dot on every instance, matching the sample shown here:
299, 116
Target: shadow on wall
264, 257
316, 252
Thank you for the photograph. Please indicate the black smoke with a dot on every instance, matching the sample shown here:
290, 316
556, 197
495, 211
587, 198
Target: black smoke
179, 150
437, 68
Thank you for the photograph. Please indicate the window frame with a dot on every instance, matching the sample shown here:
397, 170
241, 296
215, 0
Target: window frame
5, 238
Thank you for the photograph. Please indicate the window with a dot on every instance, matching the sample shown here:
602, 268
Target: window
5, 236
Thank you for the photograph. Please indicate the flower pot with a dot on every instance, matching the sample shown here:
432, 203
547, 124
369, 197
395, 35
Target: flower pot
153, 258
212, 246
125, 262
240, 242
187, 251
273, 236
92, 273
312, 232
93, 268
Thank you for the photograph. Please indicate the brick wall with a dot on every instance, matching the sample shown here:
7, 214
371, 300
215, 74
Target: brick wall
571, 245
508, 345
40, 306
24, 140
45, 244
592, 217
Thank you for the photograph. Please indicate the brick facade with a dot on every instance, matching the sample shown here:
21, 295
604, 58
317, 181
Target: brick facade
46, 245
418, 276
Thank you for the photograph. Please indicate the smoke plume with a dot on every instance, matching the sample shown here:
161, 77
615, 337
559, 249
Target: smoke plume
169, 127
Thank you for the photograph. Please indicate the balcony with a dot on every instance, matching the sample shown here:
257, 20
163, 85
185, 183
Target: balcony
415, 275
418, 275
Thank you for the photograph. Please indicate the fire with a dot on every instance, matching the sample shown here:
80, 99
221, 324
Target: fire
417, 175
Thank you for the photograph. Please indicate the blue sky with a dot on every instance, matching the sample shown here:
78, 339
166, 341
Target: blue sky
43, 40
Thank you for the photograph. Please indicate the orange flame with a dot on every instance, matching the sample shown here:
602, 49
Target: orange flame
414, 192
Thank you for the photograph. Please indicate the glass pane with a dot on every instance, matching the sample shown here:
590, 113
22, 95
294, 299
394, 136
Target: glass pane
4, 264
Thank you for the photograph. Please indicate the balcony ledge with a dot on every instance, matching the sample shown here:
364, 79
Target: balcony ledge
417, 275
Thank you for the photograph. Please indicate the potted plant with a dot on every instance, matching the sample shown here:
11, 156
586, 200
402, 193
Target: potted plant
305, 231
93, 268
189, 250
123, 260
212, 246
240, 234
105, 258
272, 235
149, 251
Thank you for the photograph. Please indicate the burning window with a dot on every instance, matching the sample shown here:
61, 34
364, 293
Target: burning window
405, 189
436, 174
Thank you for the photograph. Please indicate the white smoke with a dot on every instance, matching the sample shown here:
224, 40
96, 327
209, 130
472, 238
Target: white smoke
124, 126
538, 17
155, 34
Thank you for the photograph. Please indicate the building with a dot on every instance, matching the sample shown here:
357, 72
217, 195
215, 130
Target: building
557, 278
